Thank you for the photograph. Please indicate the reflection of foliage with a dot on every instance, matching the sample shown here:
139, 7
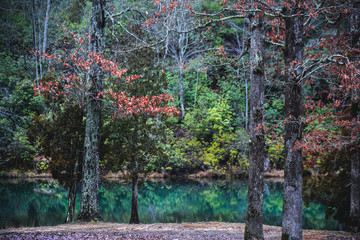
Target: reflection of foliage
32, 204
331, 187
162, 201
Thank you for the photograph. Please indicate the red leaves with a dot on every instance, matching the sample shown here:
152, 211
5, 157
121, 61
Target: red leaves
141, 105
149, 22
69, 81
224, 2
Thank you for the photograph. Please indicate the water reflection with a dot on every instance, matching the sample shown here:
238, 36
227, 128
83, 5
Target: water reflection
38, 203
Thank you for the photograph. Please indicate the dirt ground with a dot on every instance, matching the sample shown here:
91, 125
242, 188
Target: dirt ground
182, 231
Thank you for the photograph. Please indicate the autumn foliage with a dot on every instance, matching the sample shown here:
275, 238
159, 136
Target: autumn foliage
67, 69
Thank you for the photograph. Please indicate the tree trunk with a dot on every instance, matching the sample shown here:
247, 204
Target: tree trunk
246, 100
134, 219
196, 87
46, 25
246, 85
89, 207
181, 91
254, 227
70, 216
292, 208
39, 47
354, 222
35, 41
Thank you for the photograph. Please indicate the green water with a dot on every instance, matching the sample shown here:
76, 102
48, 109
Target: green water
39, 203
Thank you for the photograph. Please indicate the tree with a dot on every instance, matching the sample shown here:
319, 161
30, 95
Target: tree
182, 45
332, 114
79, 77
254, 228
136, 139
60, 138
89, 207
293, 54
354, 223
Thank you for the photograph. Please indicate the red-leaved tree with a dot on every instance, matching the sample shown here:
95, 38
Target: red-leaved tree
81, 74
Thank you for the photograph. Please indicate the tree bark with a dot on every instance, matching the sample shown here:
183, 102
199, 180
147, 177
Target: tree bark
181, 91
46, 25
134, 219
292, 208
254, 216
354, 222
70, 216
39, 37
89, 206
35, 41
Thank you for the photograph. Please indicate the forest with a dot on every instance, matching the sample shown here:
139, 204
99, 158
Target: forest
225, 89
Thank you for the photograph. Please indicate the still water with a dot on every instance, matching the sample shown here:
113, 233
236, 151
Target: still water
40, 202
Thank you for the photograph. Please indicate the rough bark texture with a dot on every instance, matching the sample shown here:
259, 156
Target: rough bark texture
46, 25
254, 227
35, 40
292, 208
89, 207
70, 216
181, 92
134, 219
354, 218
354, 223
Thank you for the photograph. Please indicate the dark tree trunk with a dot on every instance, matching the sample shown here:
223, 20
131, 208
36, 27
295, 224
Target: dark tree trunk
354, 222
292, 209
254, 227
34, 36
70, 216
89, 207
134, 219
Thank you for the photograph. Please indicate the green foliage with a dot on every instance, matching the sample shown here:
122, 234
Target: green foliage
275, 151
17, 105
213, 117
208, 140
43, 166
331, 185
60, 138
133, 142
135, 146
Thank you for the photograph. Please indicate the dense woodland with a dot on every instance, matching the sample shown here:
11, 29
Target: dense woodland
231, 88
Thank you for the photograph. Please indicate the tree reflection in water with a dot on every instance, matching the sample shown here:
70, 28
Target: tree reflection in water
38, 203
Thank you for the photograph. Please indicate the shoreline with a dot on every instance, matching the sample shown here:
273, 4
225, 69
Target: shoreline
277, 175
199, 230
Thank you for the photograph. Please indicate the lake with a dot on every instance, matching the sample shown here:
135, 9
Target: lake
44, 202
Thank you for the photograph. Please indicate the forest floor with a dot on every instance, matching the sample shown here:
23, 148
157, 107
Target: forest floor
183, 231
